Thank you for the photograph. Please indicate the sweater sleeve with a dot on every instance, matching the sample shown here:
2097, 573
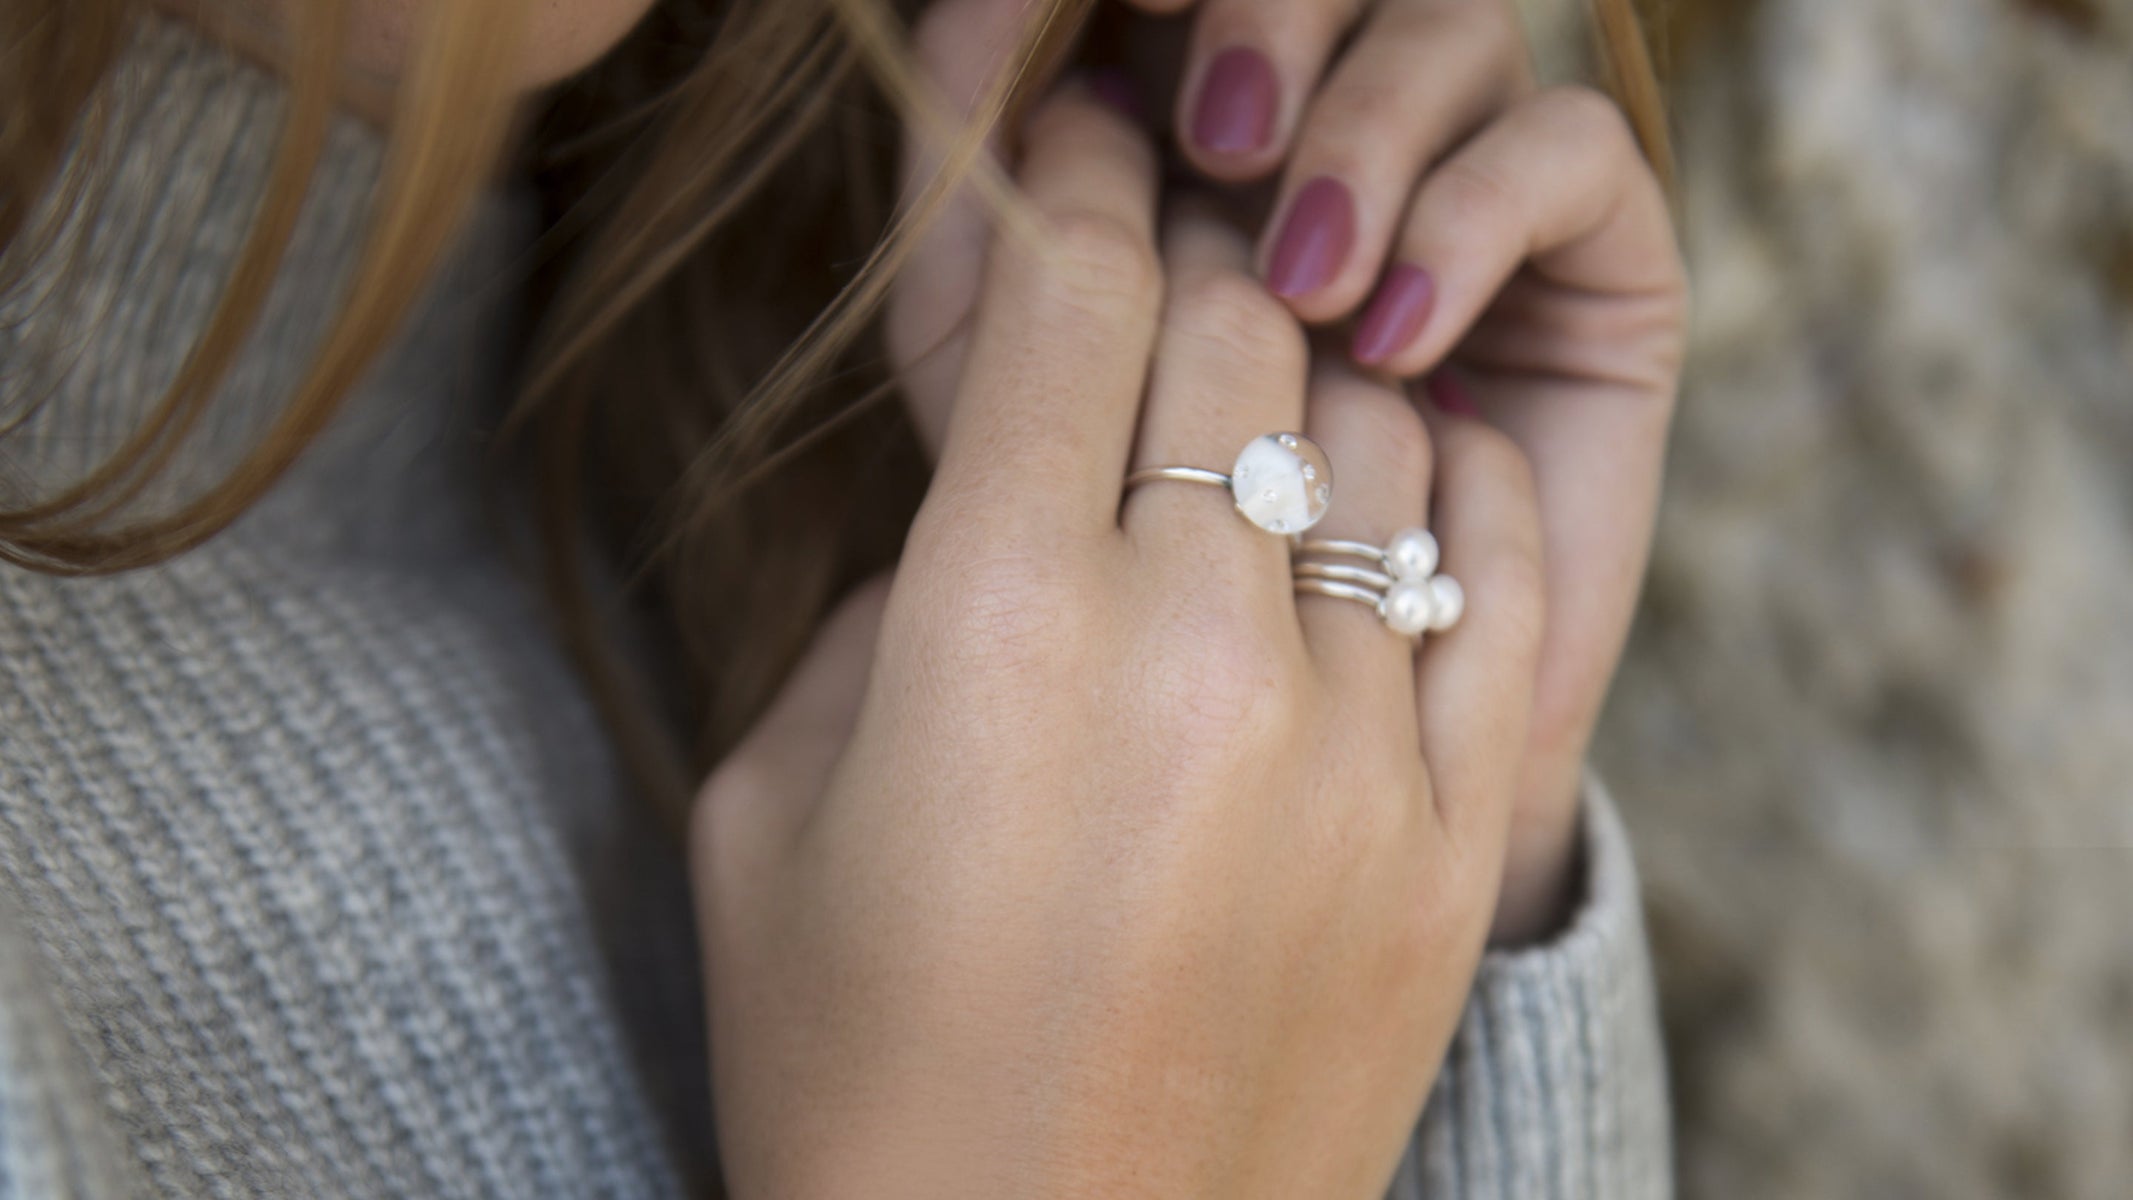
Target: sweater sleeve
54, 1141
1554, 1086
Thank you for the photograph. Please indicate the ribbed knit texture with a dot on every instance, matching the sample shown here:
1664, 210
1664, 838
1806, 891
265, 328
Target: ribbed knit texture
316, 874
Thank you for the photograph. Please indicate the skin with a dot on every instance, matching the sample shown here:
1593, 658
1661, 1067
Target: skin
1033, 912
1017, 887
1059, 869
1561, 301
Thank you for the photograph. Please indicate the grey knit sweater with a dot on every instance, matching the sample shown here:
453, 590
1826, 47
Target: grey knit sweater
316, 874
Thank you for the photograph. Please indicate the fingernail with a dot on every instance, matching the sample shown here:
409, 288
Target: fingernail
1111, 85
1238, 98
1395, 315
1314, 240
1447, 393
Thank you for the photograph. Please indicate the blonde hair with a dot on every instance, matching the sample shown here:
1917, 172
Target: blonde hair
698, 397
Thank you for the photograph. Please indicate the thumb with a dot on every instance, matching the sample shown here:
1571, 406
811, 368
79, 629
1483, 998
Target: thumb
963, 49
774, 778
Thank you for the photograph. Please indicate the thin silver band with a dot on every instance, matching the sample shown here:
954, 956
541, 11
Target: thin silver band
1360, 576
1180, 475
1340, 591
1341, 546
1402, 582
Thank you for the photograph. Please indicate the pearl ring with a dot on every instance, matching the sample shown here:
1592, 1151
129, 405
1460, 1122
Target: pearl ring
1281, 482
1401, 584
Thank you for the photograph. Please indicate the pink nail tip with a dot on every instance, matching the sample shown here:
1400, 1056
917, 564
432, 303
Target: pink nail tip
1315, 238
1239, 99
1396, 314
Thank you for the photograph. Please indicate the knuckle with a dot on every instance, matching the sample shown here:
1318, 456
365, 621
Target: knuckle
1468, 197
1099, 261
1499, 33
1051, 118
1584, 116
1506, 461
1236, 319
1491, 455
1386, 421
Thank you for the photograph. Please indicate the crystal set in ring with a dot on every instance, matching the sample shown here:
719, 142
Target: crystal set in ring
1283, 483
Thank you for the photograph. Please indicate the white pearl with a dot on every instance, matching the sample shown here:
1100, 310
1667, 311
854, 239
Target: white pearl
1412, 554
1407, 608
1447, 603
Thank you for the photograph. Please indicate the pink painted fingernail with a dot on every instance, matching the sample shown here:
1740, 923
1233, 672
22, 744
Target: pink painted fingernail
1449, 394
1395, 315
1315, 239
1239, 97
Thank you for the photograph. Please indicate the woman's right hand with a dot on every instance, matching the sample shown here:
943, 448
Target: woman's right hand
1085, 858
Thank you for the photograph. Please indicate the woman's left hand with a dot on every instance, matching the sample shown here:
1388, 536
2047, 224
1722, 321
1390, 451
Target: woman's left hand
1507, 243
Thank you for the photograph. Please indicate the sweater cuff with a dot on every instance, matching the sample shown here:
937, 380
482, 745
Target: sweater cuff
1554, 1085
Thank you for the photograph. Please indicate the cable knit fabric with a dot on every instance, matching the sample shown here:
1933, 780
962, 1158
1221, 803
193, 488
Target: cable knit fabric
317, 875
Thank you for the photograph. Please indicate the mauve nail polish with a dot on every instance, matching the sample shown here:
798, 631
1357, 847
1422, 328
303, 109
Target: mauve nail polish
1239, 97
1315, 238
1449, 394
1395, 315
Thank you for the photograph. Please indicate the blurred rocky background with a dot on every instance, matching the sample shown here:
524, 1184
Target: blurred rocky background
1875, 731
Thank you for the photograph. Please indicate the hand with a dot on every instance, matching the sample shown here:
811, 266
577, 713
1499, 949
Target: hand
1529, 247
1123, 874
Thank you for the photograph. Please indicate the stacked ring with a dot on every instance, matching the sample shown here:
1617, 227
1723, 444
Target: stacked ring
1282, 483
1401, 583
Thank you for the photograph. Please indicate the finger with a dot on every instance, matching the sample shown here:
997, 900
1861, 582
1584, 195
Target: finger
1381, 460
1422, 76
1597, 457
1251, 66
1557, 182
759, 795
1229, 367
1558, 200
962, 49
1475, 683
1045, 410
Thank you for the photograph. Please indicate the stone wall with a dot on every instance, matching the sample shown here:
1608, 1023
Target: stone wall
1875, 732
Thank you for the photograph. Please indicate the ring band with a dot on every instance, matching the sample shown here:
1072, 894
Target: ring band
1282, 482
1401, 585
1178, 475
1336, 573
1340, 591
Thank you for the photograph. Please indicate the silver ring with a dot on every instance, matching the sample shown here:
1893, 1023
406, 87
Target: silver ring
1401, 585
1281, 482
1335, 572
